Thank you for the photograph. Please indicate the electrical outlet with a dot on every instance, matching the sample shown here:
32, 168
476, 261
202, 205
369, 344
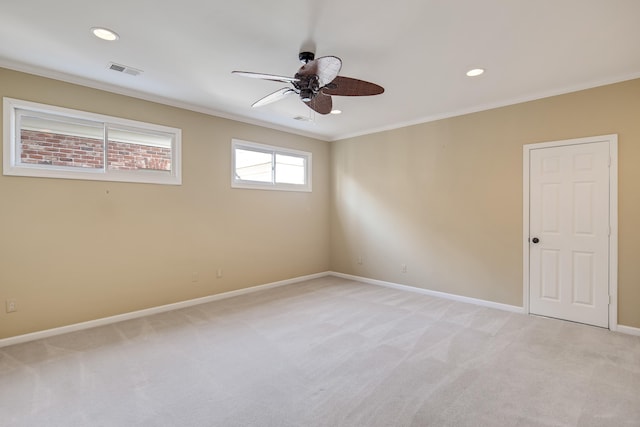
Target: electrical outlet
404, 268
195, 276
360, 259
11, 306
219, 273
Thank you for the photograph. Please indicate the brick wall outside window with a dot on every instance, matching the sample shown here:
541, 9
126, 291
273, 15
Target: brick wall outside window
65, 150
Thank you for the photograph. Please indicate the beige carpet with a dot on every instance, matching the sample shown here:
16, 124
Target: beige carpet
327, 352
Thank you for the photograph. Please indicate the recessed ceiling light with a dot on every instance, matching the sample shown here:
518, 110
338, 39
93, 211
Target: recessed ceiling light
475, 72
336, 111
105, 34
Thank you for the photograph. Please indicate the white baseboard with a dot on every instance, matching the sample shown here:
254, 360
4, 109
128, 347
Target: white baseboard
481, 302
628, 330
190, 303
149, 311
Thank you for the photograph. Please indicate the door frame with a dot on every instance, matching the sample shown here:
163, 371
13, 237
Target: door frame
612, 139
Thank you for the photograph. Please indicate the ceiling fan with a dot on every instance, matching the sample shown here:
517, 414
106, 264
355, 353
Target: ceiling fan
315, 82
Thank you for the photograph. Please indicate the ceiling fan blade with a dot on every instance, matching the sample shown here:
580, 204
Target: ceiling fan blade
273, 97
320, 104
272, 77
325, 67
346, 86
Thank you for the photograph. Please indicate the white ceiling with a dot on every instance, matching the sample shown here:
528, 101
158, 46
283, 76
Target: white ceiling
418, 50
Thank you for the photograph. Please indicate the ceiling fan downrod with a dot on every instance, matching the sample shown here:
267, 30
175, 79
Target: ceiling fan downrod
306, 57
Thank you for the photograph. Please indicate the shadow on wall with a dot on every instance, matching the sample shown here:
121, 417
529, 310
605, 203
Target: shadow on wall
413, 213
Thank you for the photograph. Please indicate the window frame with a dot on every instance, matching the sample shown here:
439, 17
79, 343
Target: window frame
236, 182
12, 166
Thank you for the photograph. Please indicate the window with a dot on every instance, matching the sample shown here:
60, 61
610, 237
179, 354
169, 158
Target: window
46, 141
272, 168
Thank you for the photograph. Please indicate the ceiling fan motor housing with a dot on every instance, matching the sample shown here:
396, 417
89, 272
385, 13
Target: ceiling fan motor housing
307, 85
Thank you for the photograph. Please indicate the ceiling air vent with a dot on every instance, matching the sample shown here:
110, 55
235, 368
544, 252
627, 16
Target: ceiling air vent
123, 69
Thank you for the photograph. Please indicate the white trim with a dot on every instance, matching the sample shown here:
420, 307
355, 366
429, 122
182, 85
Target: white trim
171, 102
19, 339
525, 227
438, 294
13, 167
613, 237
322, 136
150, 311
629, 330
273, 150
612, 139
489, 106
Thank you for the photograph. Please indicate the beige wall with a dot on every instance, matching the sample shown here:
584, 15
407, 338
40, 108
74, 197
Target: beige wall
72, 251
445, 198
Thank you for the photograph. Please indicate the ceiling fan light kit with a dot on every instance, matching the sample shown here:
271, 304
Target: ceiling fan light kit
315, 82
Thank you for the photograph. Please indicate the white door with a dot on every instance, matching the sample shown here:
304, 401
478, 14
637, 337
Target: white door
569, 232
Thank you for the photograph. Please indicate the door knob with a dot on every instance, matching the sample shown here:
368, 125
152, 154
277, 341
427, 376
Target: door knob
535, 240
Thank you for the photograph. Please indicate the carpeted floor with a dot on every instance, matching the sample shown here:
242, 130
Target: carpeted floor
327, 352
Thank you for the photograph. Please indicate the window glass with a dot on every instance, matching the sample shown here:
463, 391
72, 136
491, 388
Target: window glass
136, 150
290, 169
54, 141
253, 165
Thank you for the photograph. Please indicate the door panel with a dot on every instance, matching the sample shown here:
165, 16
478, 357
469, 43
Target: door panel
583, 208
583, 280
550, 278
569, 214
550, 206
